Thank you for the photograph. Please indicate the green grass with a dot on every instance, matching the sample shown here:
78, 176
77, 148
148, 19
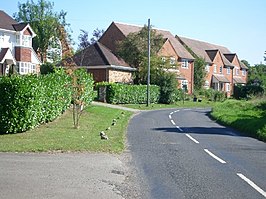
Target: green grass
60, 135
247, 116
186, 104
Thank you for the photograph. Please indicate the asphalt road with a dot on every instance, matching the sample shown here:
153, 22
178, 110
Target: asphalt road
181, 153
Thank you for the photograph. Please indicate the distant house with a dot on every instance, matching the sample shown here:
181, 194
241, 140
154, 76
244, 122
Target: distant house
172, 49
104, 65
223, 68
16, 50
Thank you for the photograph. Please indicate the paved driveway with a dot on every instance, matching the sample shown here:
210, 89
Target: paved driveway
61, 175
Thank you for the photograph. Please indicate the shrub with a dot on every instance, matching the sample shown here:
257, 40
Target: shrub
30, 100
129, 94
47, 68
248, 91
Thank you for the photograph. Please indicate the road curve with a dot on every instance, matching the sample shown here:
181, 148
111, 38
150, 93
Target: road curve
181, 153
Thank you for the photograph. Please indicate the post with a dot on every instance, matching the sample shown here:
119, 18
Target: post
149, 60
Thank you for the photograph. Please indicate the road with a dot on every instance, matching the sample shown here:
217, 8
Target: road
181, 153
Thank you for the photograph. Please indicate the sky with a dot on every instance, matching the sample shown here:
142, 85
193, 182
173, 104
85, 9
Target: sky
239, 25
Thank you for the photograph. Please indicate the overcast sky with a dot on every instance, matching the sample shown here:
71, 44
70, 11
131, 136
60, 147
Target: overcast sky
239, 25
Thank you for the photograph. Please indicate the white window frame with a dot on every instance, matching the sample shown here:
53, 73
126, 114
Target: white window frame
228, 70
207, 84
185, 63
244, 72
207, 68
221, 69
227, 87
214, 68
26, 40
2, 37
26, 68
163, 59
183, 84
172, 60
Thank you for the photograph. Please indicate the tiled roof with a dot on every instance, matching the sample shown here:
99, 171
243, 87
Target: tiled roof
200, 47
3, 52
6, 22
178, 47
219, 78
98, 55
243, 65
20, 26
239, 80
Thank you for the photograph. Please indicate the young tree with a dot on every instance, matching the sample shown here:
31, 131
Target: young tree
46, 23
199, 73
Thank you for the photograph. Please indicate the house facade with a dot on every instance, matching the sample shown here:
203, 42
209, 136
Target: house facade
16, 52
223, 68
104, 65
172, 50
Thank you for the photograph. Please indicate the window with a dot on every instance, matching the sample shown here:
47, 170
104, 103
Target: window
228, 70
26, 40
207, 67
215, 68
172, 61
26, 67
221, 69
18, 39
163, 59
227, 87
207, 84
184, 63
243, 72
184, 84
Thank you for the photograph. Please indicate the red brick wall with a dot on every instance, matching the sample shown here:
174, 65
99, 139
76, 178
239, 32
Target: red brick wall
23, 54
111, 37
168, 51
27, 32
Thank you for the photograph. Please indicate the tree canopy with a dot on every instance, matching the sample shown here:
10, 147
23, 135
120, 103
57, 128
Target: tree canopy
48, 25
84, 41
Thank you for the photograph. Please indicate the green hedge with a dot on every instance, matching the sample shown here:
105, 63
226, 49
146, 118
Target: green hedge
130, 94
29, 100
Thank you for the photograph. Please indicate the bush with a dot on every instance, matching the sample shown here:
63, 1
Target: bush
30, 100
212, 95
248, 91
47, 68
129, 94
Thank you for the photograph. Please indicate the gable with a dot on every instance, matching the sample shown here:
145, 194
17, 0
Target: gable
167, 50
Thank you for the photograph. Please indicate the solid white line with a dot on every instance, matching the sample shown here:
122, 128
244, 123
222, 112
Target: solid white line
179, 128
214, 156
170, 117
173, 122
258, 189
193, 139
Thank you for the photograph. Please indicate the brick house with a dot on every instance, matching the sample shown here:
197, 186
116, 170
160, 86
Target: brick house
104, 65
171, 50
16, 50
223, 68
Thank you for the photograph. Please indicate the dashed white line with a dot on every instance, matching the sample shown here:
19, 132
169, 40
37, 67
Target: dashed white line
173, 122
187, 109
258, 189
171, 113
179, 128
176, 111
214, 156
170, 117
193, 139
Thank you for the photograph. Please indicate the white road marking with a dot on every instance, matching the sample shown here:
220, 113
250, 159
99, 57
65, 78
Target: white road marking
171, 113
173, 122
179, 128
170, 117
258, 189
193, 139
214, 156
187, 109
176, 111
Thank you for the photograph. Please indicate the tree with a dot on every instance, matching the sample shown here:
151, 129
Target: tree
199, 73
246, 63
133, 49
97, 33
84, 41
48, 25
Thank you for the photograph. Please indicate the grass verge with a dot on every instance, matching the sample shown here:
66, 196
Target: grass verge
186, 104
60, 135
247, 116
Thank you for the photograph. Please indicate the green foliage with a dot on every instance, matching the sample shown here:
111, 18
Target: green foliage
247, 116
199, 73
31, 100
130, 94
212, 95
257, 75
48, 25
47, 68
248, 91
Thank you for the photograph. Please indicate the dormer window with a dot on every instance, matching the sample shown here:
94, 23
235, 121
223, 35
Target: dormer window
184, 63
243, 72
26, 40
